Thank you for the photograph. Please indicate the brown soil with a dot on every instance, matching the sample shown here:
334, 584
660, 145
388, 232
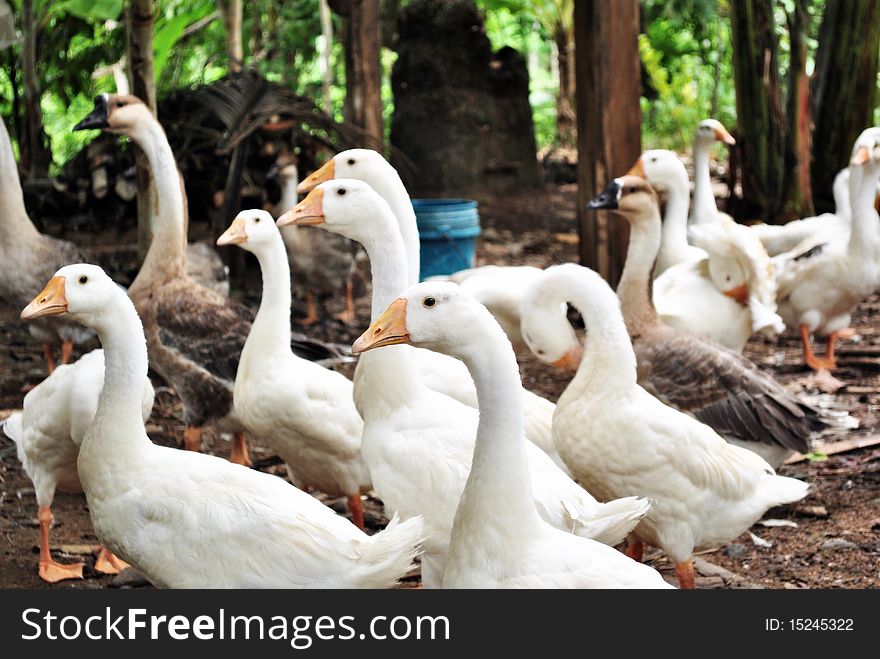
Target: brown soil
536, 229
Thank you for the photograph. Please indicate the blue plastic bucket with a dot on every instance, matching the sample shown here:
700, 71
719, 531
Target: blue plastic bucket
447, 230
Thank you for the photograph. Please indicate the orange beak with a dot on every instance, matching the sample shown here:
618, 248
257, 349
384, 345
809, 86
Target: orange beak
740, 294
51, 301
309, 211
388, 330
570, 360
637, 170
327, 172
236, 234
722, 135
861, 156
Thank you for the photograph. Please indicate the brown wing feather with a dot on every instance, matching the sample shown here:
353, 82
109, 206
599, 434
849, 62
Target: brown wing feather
723, 390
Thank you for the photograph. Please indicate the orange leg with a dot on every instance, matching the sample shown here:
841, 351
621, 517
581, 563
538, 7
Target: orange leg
109, 563
50, 570
356, 508
50, 360
634, 548
311, 313
814, 362
685, 573
66, 351
192, 439
347, 316
239, 454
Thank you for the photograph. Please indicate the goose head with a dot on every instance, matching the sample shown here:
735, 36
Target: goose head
348, 207
363, 164
712, 130
545, 328
118, 114
661, 168
631, 196
867, 148
81, 291
437, 315
249, 230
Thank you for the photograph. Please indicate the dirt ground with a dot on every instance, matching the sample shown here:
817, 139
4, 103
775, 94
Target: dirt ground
831, 540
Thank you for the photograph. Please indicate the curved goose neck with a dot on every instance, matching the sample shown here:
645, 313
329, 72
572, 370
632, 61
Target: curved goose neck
119, 412
634, 289
704, 209
609, 362
289, 196
386, 375
270, 331
14, 220
674, 242
392, 189
166, 258
499, 472
864, 238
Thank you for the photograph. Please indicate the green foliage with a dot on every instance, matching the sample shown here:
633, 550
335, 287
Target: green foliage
105, 10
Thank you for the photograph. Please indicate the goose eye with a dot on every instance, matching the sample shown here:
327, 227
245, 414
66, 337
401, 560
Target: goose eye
632, 190
351, 161
256, 220
340, 191
654, 159
120, 104
83, 279
429, 302
540, 352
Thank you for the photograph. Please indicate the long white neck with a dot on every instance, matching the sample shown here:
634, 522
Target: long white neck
704, 209
499, 472
119, 416
14, 220
270, 331
609, 363
391, 188
864, 238
674, 242
386, 376
840, 190
634, 288
289, 196
166, 257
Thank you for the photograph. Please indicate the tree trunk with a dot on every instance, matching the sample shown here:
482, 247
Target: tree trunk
35, 156
327, 70
798, 198
607, 70
566, 121
760, 121
139, 23
232, 11
844, 87
363, 70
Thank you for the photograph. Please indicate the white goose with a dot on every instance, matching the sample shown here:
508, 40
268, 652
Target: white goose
822, 282
417, 442
619, 440
439, 372
304, 411
724, 289
189, 520
485, 550
703, 209
48, 434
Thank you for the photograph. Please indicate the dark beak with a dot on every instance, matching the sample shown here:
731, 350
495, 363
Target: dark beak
98, 117
608, 199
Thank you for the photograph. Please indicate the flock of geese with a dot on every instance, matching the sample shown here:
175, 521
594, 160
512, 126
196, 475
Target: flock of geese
666, 435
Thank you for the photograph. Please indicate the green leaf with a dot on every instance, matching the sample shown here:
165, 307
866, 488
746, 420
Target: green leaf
168, 34
104, 10
816, 456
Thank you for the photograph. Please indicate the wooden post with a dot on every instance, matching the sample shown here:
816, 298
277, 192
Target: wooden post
363, 69
233, 12
35, 154
609, 122
139, 34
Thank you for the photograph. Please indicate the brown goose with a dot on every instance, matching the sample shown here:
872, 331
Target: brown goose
28, 258
693, 374
194, 334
